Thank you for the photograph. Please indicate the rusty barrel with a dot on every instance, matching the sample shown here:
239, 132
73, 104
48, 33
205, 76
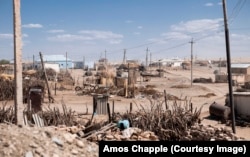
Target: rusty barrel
35, 99
220, 111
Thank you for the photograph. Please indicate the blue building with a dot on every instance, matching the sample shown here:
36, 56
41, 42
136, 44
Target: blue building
58, 59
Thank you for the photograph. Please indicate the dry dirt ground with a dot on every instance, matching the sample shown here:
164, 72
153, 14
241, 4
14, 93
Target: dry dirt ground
195, 93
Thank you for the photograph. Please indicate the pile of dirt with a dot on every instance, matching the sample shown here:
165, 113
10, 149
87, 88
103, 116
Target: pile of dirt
203, 80
181, 86
6, 77
208, 95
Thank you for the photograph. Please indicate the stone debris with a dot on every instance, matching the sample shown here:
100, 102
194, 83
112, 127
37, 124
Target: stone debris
49, 141
46, 141
130, 134
200, 132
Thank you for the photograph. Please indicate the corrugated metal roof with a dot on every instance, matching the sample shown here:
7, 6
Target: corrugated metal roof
55, 58
240, 65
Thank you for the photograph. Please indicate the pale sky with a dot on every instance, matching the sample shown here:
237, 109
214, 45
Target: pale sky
93, 28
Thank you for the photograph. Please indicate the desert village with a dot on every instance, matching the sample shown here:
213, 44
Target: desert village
128, 80
130, 101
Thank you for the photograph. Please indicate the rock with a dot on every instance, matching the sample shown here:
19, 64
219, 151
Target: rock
29, 154
55, 155
210, 129
74, 129
57, 141
80, 144
39, 150
49, 134
153, 138
117, 137
69, 138
33, 145
109, 137
146, 134
80, 133
74, 152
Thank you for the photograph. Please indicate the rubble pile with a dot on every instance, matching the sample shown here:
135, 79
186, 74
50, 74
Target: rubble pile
200, 132
109, 132
35, 141
130, 134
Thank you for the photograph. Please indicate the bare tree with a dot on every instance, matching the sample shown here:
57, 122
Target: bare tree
18, 62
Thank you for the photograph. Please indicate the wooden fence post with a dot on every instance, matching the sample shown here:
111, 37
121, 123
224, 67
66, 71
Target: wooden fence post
113, 107
109, 114
131, 107
165, 97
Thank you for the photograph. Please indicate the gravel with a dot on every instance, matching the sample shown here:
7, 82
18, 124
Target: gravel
22, 141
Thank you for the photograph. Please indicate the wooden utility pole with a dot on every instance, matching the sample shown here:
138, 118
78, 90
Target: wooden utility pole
105, 58
83, 63
124, 56
220, 66
150, 61
147, 58
18, 63
51, 99
191, 42
66, 62
231, 100
33, 62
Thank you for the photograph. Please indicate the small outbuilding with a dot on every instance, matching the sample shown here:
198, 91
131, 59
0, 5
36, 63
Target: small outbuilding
240, 74
61, 60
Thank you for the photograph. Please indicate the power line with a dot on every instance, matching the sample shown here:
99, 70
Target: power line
161, 40
236, 10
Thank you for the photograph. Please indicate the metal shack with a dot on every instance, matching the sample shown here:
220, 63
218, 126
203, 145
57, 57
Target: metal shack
241, 104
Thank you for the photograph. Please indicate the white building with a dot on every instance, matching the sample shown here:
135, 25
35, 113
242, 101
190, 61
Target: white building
171, 62
61, 60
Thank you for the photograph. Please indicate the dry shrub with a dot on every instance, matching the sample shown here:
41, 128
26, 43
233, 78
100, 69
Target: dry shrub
65, 79
129, 65
109, 73
50, 72
172, 97
7, 114
170, 124
149, 91
7, 89
54, 116
181, 86
203, 80
30, 72
208, 95
150, 86
6, 77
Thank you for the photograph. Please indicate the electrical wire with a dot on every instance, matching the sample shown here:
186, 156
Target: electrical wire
236, 10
